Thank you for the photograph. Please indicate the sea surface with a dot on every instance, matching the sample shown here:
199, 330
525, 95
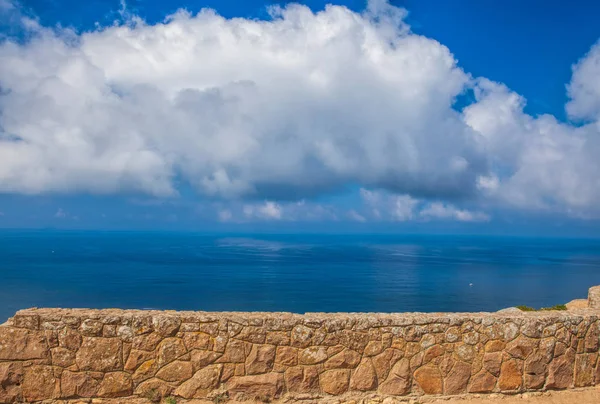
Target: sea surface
297, 273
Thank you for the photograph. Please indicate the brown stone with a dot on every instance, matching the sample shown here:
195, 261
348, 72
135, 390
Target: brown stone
69, 339
492, 362
202, 382
301, 336
136, 358
584, 369
482, 382
100, 354
176, 372
91, 328
300, 379
228, 372
201, 359
40, 383
286, 355
168, 350
278, 338
62, 357
561, 372
374, 348
458, 379
494, 346
535, 371
591, 339
347, 359
312, 355
384, 361
264, 387
429, 379
80, 384
116, 384
335, 381
521, 347
146, 342
154, 389
364, 377
511, 377
11, 378
234, 352
22, 344
196, 340
260, 360
399, 380
166, 325
432, 353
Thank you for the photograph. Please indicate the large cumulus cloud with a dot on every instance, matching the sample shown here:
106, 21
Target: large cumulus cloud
300, 105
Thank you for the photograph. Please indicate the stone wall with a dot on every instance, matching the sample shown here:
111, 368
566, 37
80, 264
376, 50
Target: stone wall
59, 353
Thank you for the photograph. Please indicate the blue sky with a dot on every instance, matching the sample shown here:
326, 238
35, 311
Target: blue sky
402, 116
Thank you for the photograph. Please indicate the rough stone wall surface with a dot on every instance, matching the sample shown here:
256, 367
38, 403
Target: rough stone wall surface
60, 353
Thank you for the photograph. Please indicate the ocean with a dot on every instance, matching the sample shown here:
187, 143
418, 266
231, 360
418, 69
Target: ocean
296, 273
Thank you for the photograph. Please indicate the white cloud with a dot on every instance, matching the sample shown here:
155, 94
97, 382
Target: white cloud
283, 110
269, 211
305, 102
390, 207
438, 210
356, 217
224, 215
60, 214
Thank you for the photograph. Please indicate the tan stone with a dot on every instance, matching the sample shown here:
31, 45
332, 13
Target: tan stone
301, 336
492, 362
535, 371
364, 377
11, 378
374, 348
100, 354
136, 358
265, 387
169, 349
154, 389
234, 352
494, 346
201, 359
301, 379
116, 384
458, 379
592, 338
62, 357
176, 372
384, 361
577, 304
196, 340
561, 372
347, 359
22, 344
40, 383
228, 372
429, 379
511, 376
202, 383
80, 384
482, 382
399, 380
432, 353
465, 352
286, 355
260, 360
312, 355
166, 325
584, 369
147, 342
91, 328
69, 339
521, 347
278, 338
335, 381
453, 334
145, 371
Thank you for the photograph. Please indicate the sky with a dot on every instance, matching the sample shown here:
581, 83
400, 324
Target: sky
357, 116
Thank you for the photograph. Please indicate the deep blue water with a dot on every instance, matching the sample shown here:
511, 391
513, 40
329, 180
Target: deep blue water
298, 273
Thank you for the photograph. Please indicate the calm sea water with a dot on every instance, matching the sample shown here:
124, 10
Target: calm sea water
297, 273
